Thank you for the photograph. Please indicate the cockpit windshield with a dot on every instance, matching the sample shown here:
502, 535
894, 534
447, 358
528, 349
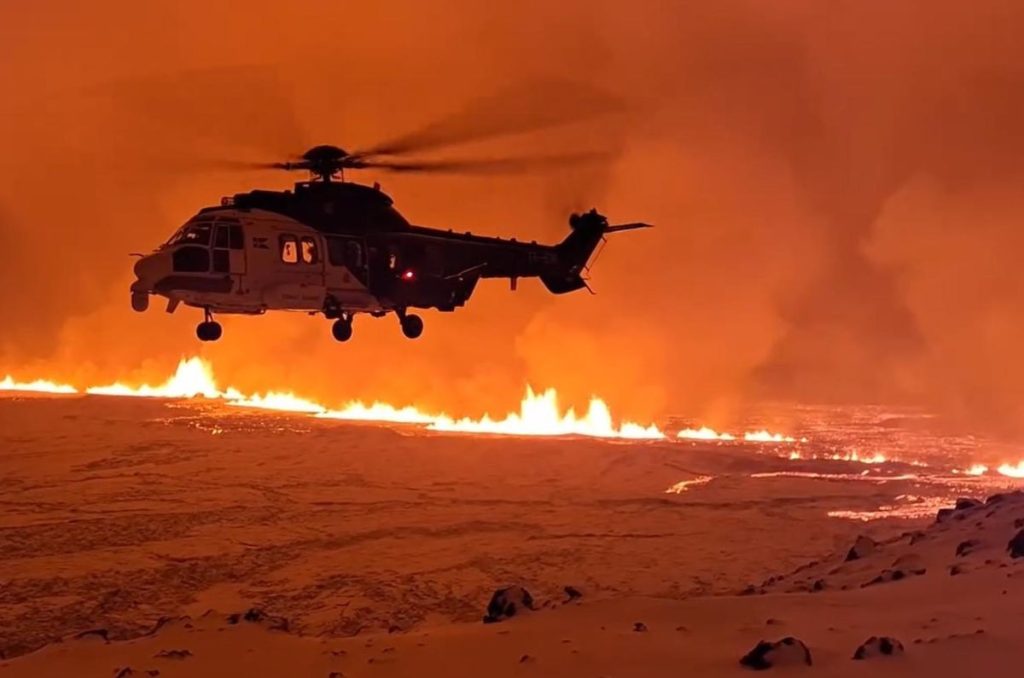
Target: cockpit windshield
193, 233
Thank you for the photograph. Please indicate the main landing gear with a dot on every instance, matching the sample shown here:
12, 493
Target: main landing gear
412, 325
341, 329
209, 329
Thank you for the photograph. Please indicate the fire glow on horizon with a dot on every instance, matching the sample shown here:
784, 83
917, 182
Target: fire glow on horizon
539, 415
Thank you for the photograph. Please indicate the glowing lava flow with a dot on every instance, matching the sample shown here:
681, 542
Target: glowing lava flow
703, 433
37, 386
538, 414
192, 378
1011, 471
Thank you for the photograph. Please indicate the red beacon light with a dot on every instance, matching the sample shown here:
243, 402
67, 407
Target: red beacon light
408, 275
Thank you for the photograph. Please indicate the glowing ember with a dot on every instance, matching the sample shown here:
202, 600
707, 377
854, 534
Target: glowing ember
1012, 471
38, 386
539, 415
976, 470
684, 485
767, 437
703, 433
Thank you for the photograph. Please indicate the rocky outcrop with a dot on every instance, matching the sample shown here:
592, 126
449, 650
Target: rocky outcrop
786, 652
878, 646
1015, 547
254, 615
862, 548
508, 602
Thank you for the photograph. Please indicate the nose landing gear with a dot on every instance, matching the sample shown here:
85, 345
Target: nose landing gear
140, 301
209, 329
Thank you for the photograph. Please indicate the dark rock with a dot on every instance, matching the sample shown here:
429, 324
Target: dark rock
173, 654
103, 634
917, 536
153, 672
507, 602
527, 658
786, 652
895, 574
573, 592
640, 627
959, 568
772, 621
335, 674
1016, 545
1018, 523
943, 515
964, 503
862, 548
878, 646
254, 615
1002, 497
965, 548
123, 672
749, 590
818, 585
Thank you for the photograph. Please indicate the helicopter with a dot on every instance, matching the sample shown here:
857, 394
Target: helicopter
340, 248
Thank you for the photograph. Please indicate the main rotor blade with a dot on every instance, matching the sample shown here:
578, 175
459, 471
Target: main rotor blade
486, 165
526, 108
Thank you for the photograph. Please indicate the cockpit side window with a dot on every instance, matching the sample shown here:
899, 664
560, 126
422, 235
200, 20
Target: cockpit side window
289, 249
310, 255
193, 234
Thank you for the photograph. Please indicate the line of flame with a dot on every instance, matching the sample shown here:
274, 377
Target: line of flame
539, 414
38, 386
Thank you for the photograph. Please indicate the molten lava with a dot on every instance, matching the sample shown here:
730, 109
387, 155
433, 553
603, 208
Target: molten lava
539, 414
38, 386
194, 377
703, 433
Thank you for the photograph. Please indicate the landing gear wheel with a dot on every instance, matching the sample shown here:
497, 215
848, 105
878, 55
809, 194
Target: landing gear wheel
412, 326
140, 301
209, 331
342, 329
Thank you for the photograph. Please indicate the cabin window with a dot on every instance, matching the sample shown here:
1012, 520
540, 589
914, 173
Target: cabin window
354, 255
289, 249
235, 239
310, 255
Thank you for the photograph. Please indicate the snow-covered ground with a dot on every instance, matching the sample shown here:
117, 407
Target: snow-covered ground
381, 545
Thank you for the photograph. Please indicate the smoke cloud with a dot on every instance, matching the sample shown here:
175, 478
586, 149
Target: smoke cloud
836, 189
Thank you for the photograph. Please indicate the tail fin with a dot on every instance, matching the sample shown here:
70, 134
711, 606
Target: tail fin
588, 230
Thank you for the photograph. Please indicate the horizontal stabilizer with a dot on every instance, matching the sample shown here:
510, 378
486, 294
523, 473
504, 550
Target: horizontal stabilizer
627, 227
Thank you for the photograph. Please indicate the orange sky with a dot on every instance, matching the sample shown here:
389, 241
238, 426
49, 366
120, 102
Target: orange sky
837, 189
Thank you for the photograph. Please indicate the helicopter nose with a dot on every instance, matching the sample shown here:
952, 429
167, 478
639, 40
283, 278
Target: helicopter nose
148, 268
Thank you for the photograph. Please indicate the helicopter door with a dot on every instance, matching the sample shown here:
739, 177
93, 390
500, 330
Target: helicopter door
349, 253
229, 249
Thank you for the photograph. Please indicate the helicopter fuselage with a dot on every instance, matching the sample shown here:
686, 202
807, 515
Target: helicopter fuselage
341, 249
